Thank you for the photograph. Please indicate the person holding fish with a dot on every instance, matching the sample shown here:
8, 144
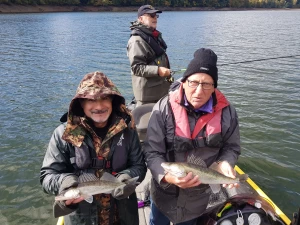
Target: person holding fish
192, 133
94, 160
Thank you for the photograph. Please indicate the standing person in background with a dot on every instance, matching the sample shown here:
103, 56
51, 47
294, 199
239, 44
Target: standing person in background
195, 121
97, 137
149, 62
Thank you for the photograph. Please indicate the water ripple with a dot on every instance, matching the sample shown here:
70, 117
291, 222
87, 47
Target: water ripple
44, 56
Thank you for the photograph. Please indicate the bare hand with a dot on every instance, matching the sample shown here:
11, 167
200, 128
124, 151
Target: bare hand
225, 168
183, 182
164, 72
74, 201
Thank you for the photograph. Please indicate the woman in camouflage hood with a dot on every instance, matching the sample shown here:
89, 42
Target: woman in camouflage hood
99, 136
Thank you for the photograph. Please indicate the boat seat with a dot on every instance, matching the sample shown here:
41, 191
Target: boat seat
141, 115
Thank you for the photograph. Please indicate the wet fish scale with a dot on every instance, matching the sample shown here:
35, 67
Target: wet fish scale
206, 175
105, 185
90, 188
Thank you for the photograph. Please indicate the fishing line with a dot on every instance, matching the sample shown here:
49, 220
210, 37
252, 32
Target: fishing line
257, 60
241, 62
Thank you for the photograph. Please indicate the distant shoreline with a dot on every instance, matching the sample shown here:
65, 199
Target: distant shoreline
4, 9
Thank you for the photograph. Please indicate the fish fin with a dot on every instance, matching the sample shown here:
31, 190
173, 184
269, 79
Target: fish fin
132, 181
214, 166
87, 177
89, 199
109, 177
196, 160
109, 191
242, 177
215, 188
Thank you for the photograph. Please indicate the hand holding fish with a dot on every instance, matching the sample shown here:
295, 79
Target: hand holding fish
89, 185
75, 189
74, 201
222, 174
225, 168
187, 181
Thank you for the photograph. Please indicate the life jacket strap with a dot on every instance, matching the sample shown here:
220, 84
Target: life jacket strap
156, 47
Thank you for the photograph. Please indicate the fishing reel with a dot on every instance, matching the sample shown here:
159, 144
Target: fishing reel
170, 78
172, 72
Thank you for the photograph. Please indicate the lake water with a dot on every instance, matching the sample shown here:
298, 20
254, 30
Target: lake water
44, 56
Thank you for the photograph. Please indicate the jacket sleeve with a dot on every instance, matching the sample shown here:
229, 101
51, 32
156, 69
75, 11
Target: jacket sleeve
155, 149
56, 166
231, 148
136, 162
138, 52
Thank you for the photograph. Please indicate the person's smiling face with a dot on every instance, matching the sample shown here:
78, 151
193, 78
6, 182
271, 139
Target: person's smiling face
97, 110
198, 94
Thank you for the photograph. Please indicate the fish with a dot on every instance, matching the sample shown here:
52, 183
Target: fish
206, 175
90, 185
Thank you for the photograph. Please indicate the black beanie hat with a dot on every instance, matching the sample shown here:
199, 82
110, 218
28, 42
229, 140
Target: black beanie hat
204, 61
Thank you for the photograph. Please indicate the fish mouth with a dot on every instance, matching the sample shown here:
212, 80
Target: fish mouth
68, 194
175, 173
164, 165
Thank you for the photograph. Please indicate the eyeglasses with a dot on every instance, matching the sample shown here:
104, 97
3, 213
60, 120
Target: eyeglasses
153, 15
195, 84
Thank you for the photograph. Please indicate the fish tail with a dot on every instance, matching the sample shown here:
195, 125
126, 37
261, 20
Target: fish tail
133, 181
242, 177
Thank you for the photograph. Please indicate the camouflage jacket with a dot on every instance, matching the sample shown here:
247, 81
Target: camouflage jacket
76, 132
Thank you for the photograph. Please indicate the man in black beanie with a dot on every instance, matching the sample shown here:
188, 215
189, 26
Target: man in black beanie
195, 123
205, 61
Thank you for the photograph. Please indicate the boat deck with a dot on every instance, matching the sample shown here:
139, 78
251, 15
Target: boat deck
249, 188
144, 212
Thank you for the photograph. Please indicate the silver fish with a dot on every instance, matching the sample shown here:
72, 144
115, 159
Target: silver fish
206, 175
90, 185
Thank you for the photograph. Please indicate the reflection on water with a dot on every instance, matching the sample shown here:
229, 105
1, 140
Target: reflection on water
44, 56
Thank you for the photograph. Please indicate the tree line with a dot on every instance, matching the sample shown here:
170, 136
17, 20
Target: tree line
165, 3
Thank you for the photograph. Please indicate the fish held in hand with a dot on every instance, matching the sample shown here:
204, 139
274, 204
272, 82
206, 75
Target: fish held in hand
90, 185
206, 175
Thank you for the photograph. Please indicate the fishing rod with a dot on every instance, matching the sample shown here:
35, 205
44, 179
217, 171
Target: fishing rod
171, 79
256, 60
175, 71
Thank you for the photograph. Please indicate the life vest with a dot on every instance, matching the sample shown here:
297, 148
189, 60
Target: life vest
211, 121
158, 48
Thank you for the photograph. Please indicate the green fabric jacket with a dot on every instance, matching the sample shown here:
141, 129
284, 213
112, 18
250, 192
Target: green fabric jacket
147, 85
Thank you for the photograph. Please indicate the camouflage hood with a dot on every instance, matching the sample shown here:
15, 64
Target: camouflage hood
93, 86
